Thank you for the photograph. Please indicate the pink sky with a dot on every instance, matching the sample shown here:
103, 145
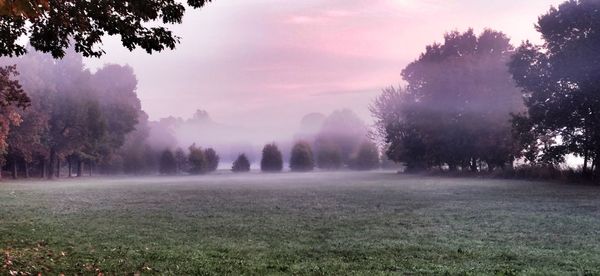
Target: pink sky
268, 62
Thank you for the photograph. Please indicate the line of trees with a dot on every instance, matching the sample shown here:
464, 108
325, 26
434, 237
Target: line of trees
197, 161
475, 102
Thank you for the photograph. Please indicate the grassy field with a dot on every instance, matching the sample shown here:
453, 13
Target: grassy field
315, 223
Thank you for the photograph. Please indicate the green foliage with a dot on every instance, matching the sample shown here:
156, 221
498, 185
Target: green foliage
302, 159
212, 159
52, 26
272, 160
168, 164
241, 164
197, 160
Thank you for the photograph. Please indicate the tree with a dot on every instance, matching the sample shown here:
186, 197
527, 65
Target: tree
560, 81
11, 98
329, 157
272, 160
181, 160
241, 164
212, 160
367, 157
301, 159
455, 110
197, 160
344, 129
52, 25
168, 163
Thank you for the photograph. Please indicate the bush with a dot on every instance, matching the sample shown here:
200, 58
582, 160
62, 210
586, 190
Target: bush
168, 164
302, 158
367, 157
329, 157
271, 161
212, 159
241, 164
197, 160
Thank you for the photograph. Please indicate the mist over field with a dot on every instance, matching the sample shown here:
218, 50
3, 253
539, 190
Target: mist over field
317, 137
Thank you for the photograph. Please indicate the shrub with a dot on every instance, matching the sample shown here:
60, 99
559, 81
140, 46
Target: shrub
167, 164
241, 164
329, 157
367, 157
271, 161
212, 159
302, 159
198, 163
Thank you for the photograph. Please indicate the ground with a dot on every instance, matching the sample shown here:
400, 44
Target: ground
293, 223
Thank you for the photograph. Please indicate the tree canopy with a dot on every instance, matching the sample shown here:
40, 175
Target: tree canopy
560, 80
52, 26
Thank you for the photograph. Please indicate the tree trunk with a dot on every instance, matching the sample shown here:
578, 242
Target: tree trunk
90, 168
79, 168
57, 167
26, 168
69, 164
51, 164
14, 169
585, 162
43, 168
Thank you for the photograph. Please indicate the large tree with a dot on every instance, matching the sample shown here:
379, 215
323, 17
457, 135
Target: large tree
54, 25
560, 81
455, 110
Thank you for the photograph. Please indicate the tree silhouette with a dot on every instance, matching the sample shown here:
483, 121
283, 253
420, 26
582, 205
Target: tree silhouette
54, 25
212, 159
560, 84
301, 159
272, 160
168, 164
241, 164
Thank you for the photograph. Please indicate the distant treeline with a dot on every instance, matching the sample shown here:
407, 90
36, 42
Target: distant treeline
474, 102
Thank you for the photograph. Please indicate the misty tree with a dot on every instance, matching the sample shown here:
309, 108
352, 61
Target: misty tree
241, 164
212, 159
272, 160
329, 156
197, 160
302, 159
344, 129
455, 110
181, 160
52, 26
168, 164
367, 157
560, 81
12, 97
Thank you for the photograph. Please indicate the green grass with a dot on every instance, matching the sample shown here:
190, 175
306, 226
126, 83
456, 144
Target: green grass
315, 223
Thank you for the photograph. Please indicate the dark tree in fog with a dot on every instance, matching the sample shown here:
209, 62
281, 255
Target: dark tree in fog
344, 129
212, 159
197, 160
302, 159
52, 26
168, 164
560, 80
181, 159
272, 160
455, 110
367, 157
329, 156
241, 164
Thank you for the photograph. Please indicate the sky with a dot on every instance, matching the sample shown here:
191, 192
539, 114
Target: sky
266, 63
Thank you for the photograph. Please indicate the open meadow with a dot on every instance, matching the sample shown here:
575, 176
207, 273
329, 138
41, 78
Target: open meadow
299, 223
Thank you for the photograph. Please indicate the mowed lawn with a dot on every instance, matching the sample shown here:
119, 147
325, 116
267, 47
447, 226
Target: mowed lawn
316, 223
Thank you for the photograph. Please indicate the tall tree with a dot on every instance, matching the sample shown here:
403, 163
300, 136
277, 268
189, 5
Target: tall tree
54, 25
560, 81
455, 110
302, 159
272, 160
